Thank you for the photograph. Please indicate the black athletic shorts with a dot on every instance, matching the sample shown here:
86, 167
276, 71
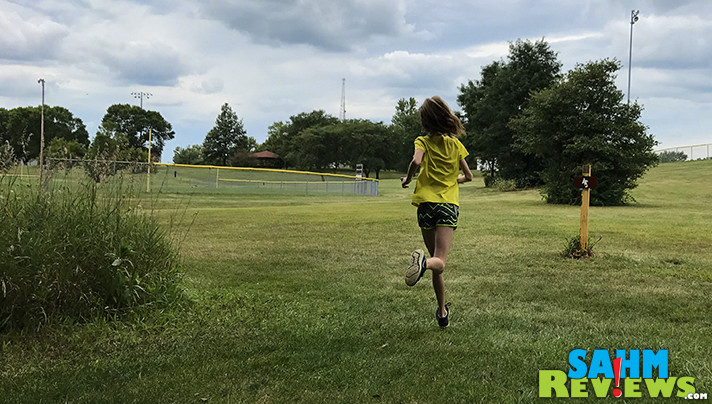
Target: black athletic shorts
432, 214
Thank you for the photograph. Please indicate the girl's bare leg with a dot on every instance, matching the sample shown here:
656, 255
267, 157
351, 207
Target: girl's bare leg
438, 242
429, 239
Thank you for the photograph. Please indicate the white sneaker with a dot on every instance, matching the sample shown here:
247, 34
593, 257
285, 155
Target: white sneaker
416, 269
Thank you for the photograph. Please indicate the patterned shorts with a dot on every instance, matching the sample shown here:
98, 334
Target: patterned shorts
432, 214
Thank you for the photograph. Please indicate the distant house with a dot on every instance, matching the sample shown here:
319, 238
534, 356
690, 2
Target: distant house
267, 159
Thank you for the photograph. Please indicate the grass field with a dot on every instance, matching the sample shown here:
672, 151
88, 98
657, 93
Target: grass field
302, 299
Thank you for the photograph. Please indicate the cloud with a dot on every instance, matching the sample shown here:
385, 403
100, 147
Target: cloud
275, 58
28, 38
211, 86
402, 69
142, 62
18, 83
692, 84
676, 42
324, 24
203, 85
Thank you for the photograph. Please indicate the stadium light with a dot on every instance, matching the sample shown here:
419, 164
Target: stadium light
633, 20
140, 95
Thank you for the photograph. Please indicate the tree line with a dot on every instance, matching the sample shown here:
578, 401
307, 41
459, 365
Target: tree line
527, 122
123, 133
312, 141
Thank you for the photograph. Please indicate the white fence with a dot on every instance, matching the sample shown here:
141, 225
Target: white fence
693, 152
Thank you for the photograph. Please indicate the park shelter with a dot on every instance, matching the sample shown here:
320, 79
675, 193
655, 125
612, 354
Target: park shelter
267, 159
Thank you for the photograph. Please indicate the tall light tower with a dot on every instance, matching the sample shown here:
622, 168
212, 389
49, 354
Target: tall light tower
140, 95
342, 109
633, 20
42, 82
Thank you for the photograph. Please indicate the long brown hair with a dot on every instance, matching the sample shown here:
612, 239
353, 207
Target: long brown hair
436, 118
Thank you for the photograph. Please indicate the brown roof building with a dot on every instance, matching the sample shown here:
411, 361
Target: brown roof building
267, 159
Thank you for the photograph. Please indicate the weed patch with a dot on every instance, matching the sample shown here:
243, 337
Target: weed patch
80, 252
573, 249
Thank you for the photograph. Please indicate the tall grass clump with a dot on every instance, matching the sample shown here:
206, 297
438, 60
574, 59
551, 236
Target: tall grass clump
81, 251
573, 249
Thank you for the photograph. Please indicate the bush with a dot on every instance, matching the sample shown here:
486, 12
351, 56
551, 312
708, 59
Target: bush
62, 148
106, 170
672, 156
190, 155
490, 180
573, 249
78, 254
581, 120
505, 185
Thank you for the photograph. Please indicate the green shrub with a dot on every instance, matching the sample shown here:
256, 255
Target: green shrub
572, 248
672, 156
78, 253
583, 119
490, 180
505, 185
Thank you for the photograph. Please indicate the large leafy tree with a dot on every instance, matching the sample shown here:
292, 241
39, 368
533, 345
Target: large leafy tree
351, 142
21, 128
225, 138
65, 149
61, 123
23, 132
583, 120
406, 126
134, 123
501, 94
283, 136
318, 148
116, 147
369, 143
317, 141
189, 155
276, 141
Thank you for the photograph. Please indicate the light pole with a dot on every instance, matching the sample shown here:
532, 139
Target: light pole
633, 20
140, 96
42, 82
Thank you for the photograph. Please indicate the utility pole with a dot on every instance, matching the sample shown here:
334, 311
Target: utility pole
41, 163
342, 109
140, 96
633, 20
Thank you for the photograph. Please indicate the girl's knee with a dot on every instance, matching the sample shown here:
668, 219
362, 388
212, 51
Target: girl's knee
436, 264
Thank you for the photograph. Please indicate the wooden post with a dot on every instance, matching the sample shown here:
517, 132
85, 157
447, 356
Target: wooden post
585, 199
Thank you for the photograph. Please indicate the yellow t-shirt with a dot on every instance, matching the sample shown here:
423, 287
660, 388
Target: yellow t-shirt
437, 181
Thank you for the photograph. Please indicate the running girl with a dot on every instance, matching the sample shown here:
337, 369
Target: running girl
440, 156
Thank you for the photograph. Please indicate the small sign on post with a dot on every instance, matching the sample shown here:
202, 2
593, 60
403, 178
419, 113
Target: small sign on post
585, 183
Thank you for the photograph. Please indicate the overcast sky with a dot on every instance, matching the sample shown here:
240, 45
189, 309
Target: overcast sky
271, 59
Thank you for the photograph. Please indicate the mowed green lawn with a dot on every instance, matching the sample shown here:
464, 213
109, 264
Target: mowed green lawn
302, 299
